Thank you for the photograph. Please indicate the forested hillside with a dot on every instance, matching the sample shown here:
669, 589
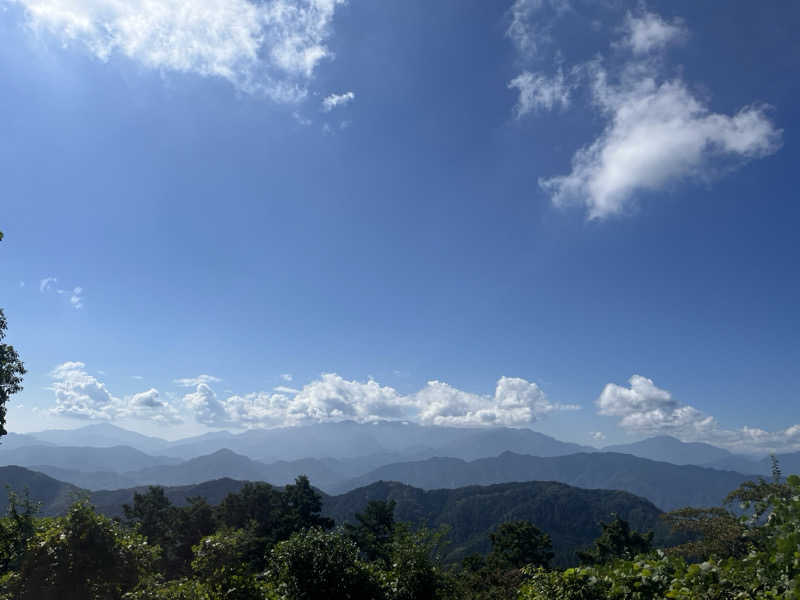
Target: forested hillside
571, 516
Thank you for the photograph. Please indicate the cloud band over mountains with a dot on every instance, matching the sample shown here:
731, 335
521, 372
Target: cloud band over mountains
515, 402
641, 408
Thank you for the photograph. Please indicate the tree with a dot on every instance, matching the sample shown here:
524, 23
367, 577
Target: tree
193, 522
16, 530
375, 528
302, 506
415, 564
519, 543
221, 564
82, 556
320, 565
617, 541
258, 505
713, 532
11, 370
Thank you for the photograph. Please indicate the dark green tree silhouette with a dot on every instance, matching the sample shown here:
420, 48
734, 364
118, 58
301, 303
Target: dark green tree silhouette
17, 528
617, 541
302, 506
374, 529
11, 370
516, 544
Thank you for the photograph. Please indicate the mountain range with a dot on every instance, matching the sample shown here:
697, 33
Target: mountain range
668, 486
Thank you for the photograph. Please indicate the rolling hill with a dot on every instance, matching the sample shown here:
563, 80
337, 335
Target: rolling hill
570, 515
55, 496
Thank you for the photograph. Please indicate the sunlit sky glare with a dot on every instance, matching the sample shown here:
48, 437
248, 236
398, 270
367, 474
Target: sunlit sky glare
574, 216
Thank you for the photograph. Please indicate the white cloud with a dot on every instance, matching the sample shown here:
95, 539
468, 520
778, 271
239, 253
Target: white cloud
336, 100
268, 48
47, 284
304, 121
597, 436
646, 409
539, 92
287, 377
531, 21
516, 402
76, 298
657, 133
149, 406
195, 381
82, 396
648, 31
204, 405
283, 389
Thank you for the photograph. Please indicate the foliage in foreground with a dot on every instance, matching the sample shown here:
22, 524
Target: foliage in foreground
770, 569
264, 543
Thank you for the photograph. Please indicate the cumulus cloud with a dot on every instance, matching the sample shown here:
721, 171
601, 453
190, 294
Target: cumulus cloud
648, 31
647, 409
268, 48
597, 436
657, 132
539, 92
82, 396
195, 381
515, 402
336, 100
149, 406
205, 406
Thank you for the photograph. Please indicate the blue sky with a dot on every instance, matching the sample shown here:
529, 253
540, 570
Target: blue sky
577, 217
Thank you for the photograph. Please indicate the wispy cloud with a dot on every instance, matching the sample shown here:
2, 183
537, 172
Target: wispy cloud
647, 32
47, 284
337, 100
540, 92
268, 48
75, 295
195, 381
644, 408
531, 22
287, 377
